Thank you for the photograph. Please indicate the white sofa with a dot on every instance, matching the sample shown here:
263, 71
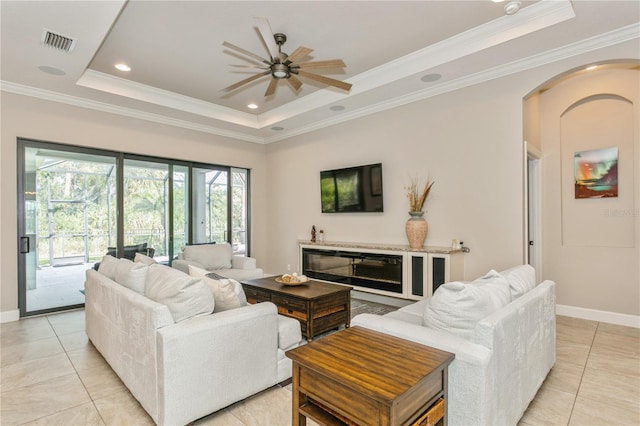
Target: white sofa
218, 258
500, 360
179, 360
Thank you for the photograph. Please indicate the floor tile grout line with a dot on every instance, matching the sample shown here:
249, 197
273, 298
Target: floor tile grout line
60, 328
51, 414
75, 369
584, 369
37, 358
75, 373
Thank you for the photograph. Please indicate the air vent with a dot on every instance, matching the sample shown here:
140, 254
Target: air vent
58, 41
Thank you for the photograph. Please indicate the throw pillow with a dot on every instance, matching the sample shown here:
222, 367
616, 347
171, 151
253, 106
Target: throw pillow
184, 295
143, 258
210, 256
236, 286
194, 271
131, 275
456, 307
224, 293
242, 298
521, 278
108, 266
223, 290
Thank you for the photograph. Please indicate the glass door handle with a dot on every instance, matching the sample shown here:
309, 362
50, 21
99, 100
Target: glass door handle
24, 245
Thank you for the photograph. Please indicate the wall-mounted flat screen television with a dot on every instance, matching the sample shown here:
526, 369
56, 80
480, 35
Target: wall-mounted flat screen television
352, 189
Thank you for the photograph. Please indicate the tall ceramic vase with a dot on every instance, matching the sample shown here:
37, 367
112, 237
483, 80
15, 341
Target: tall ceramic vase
416, 229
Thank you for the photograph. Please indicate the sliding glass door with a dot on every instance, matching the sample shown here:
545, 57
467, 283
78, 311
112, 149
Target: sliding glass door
67, 213
78, 204
220, 206
210, 205
239, 210
180, 213
146, 208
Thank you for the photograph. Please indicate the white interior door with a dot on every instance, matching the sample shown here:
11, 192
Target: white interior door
533, 230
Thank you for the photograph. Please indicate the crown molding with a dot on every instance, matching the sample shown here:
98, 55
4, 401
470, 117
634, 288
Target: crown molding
142, 92
611, 38
500, 30
48, 95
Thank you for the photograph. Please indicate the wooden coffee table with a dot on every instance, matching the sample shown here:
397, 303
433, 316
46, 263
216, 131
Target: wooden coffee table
319, 306
363, 377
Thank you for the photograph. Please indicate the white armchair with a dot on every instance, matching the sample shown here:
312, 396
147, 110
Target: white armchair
218, 258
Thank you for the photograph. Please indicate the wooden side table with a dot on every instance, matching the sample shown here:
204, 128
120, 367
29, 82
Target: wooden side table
319, 306
363, 377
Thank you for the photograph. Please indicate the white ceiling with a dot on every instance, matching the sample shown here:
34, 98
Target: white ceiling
179, 65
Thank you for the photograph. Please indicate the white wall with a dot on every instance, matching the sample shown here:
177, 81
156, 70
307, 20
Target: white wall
469, 141
472, 153
591, 246
49, 121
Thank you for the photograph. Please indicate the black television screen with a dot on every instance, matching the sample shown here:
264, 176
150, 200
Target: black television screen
352, 189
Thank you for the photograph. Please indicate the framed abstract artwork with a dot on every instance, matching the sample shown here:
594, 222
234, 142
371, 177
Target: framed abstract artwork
596, 173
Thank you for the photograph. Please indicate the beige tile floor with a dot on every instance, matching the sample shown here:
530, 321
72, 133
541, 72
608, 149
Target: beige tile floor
51, 375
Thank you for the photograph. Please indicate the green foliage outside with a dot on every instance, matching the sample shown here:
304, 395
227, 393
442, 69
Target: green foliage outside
82, 195
339, 191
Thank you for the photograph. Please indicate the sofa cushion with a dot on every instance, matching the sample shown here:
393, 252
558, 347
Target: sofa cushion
243, 262
521, 278
210, 256
456, 307
108, 266
131, 275
223, 290
224, 294
289, 332
143, 258
185, 296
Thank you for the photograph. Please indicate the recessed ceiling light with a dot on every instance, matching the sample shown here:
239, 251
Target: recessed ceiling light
277, 128
497, 1
252, 106
512, 7
337, 108
123, 67
431, 77
51, 70
591, 67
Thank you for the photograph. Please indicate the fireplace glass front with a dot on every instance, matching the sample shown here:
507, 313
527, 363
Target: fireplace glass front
370, 270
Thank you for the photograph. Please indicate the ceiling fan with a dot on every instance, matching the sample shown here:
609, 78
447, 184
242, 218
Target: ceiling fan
282, 66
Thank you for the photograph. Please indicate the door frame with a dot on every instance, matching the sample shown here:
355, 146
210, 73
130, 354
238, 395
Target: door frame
532, 208
22, 145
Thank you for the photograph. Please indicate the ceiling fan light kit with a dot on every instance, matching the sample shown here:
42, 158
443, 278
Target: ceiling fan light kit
283, 66
280, 71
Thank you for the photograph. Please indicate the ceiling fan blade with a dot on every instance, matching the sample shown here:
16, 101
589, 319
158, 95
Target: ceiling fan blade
330, 63
272, 87
245, 52
294, 82
326, 80
299, 53
267, 35
249, 66
245, 81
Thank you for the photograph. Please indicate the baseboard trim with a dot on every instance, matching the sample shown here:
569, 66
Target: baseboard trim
600, 316
9, 316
